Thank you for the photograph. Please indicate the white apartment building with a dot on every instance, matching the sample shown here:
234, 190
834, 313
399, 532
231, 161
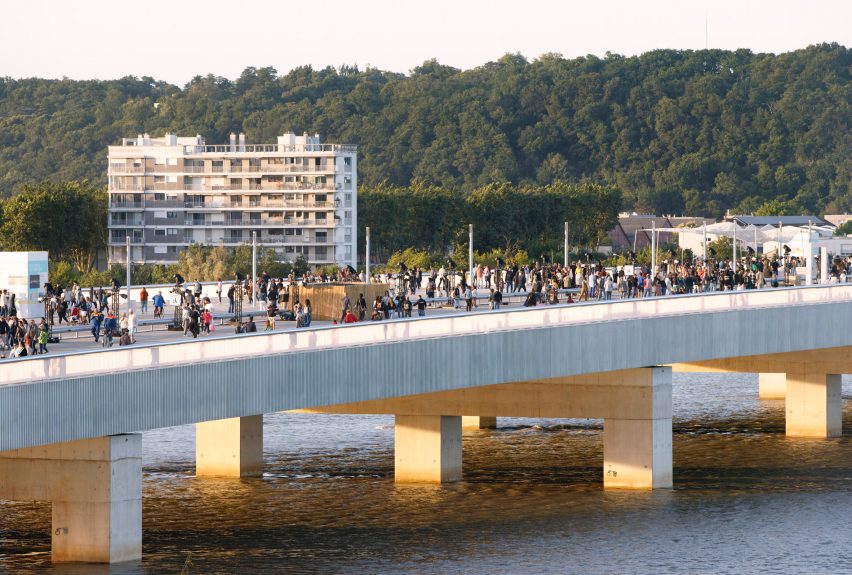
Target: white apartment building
298, 195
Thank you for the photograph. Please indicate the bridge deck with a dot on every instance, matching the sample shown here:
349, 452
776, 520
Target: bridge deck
90, 394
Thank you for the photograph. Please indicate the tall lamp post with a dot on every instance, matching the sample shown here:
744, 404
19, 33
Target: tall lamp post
565, 247
254, 267
129, 301
470, 257
368, 254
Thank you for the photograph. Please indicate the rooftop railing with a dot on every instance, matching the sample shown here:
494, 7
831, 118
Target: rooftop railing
269, 149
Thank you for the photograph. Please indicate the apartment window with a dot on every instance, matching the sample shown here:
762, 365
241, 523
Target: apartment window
171, 215
321, 197
218, 165
276, 214
160, 249
159, 197
159, 179
320, 252
292, 232
171, 231
172, 249
236, 165
322, 237
160, 233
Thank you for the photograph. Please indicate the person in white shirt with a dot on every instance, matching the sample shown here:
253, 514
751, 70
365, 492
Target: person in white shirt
131, 325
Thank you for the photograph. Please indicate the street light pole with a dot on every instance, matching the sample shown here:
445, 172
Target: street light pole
254, 267
565, 247
129, 304
654, 250
368, 254
470, 256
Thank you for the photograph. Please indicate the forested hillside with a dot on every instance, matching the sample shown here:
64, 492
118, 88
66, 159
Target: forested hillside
674, 131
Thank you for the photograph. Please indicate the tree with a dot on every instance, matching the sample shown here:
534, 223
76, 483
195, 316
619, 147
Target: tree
68, 220
844, 229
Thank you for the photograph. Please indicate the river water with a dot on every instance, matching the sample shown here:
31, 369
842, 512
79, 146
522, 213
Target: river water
746, 499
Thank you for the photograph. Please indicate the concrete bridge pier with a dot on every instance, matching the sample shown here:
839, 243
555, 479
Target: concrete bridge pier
479, 422
427, 448
814, 404
229, 447
772, 385
95, 486
638, 437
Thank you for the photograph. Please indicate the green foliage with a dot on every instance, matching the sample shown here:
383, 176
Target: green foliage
301, 265
67, 219
62, 273
844, 229
676, 131
780, 208
413, 258
724, 247
95, 278
433, 220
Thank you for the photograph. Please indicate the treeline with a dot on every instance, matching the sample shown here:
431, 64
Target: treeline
504, 216
677, 131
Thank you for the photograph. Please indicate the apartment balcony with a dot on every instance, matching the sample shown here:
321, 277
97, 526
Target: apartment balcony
123, 205
125, 169
135, 222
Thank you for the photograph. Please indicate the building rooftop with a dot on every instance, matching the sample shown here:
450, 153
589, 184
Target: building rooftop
785, 220
288, 142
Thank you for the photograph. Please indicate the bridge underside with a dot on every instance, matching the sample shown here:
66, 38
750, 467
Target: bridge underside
95, 484
808, 381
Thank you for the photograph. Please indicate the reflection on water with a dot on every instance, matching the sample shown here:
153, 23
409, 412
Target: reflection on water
746, 499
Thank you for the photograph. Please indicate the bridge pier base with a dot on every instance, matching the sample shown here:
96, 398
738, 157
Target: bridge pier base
638, 450
427, 448
229, 447
95, 486
814, 404
479, 422
772, 385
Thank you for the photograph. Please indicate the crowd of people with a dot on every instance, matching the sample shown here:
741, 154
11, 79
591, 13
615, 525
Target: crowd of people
540, 284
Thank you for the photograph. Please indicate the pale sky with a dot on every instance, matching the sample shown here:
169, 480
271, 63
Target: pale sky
174, 40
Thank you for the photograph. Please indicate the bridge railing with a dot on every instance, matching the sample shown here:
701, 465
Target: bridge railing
389, 331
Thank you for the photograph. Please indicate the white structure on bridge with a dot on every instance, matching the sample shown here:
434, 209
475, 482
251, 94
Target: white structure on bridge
71, 415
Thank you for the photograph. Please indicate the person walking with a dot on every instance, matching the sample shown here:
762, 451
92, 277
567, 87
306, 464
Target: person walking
345, 304
159, 304
219, 289
42, 337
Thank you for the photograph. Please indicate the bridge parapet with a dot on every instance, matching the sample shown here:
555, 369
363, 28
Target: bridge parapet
97, 362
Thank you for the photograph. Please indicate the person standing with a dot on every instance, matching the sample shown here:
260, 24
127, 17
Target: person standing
131, 325
345, 304
143, 300
219, 289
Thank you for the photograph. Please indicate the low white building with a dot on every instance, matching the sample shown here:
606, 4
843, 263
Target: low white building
23, 274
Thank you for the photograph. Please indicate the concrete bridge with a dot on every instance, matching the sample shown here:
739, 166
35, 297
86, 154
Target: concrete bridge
69, 423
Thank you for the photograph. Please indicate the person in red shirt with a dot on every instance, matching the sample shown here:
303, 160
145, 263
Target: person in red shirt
349, 317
